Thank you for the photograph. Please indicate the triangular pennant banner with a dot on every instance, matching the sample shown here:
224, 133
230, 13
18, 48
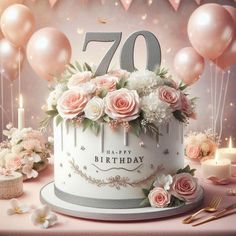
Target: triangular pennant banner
126, 4
175, 4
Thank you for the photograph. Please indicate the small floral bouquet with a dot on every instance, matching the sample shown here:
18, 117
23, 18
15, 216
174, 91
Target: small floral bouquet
139, 101
200, 145
170, 191
24, 151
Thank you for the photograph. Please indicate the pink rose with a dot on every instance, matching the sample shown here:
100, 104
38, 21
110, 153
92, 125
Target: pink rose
72, 103
107, 82
193, 151
185, 187
170, 96
186, 105
158, 197
122, 104
13, 162
79, 78
119, 73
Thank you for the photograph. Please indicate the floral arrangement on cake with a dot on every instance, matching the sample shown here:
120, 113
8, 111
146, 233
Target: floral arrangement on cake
199, 146
139, 101
170, 191
24, 151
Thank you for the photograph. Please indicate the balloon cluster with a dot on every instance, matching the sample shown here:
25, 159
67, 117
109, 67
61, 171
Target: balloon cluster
212, 33
48, 50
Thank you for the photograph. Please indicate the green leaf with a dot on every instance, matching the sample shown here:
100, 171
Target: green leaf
87, 67
58, 120
78, 66
72, 66
174, 201
186, 169
145, 192
52, 113
122, 83
179, 115
145, 203
103, 93
95, 127
135, 127
106, 118
86, 123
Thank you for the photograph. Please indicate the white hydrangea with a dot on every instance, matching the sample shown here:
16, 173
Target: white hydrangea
144, 81
54, 96
155, 110
18, 135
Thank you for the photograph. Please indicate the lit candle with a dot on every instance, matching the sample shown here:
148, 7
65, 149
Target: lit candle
21, 114
228, 153
217, 167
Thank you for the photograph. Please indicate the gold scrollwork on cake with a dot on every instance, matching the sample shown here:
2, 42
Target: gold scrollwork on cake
115, 181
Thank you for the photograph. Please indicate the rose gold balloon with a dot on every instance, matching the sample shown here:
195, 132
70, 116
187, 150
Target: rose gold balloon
48, 51
228, 57
210, 30
10, 56
232, 12
6, 3
188, 65
17, 23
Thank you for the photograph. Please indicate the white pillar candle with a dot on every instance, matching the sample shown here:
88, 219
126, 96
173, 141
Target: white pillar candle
228, 153
217, 167
21, 114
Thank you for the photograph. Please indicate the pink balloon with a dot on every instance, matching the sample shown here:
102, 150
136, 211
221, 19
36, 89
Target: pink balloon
188, 65
48, 52
10, 58
6, 3
210, 30
232, 12
17, 23
228, 57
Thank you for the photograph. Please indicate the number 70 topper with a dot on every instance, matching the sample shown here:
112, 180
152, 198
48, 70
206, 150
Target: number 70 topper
127, 51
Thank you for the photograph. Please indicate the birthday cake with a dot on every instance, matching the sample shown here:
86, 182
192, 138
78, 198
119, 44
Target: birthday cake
118, 137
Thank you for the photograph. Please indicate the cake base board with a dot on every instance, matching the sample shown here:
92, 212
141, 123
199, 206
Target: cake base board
47, 196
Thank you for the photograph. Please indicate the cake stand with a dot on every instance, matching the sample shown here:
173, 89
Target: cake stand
47, 196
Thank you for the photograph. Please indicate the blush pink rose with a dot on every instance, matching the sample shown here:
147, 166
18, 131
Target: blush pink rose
122, 104
170, 96
193, 151
72, 103
185, 187
79, 78
158, 197
107, 82
119, 73
186, 105
13, 162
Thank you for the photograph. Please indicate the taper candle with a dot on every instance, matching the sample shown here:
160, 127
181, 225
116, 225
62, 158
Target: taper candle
229, 153
21, 113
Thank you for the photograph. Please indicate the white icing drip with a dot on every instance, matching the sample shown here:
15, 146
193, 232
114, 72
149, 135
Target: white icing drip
102, 137
75, 136
125, 137
62, 136
168, 128
67, 127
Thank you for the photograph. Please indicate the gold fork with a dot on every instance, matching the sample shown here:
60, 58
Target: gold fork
212, 207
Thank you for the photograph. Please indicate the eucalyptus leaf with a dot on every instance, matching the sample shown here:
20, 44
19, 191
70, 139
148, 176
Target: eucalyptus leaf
145, 203
52, 113
58, 120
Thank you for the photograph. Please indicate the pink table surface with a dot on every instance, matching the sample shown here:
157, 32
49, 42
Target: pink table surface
21, 224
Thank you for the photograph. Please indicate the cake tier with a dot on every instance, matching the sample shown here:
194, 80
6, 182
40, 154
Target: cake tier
111, 169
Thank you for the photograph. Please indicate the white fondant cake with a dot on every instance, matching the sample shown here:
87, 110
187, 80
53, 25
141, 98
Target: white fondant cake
111, 169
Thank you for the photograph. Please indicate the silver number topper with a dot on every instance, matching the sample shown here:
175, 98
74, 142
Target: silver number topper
127, 52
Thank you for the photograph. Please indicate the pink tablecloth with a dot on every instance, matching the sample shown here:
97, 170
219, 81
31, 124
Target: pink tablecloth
21, 224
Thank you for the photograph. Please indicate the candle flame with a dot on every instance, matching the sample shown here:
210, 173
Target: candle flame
21, 101
230, 142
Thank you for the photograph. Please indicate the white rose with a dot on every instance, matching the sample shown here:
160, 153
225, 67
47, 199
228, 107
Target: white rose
88, 88
94, 109
54, 96
79, 78
163, 181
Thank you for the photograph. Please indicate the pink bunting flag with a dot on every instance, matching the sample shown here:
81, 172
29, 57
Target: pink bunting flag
126, 4
175, 4
198, 2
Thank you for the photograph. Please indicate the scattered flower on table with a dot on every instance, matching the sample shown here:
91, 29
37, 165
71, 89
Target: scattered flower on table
17, 208
169, 191
24, 151
43, 217
200, 146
